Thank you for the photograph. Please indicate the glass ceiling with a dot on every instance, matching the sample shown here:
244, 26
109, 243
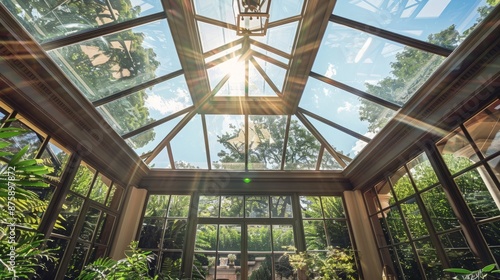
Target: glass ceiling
214, 100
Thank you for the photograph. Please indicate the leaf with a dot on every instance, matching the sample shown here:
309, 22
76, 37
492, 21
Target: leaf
458, 270
19, 155
489, 267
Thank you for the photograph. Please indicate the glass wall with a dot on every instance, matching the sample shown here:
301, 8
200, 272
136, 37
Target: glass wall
416, 217
245, 236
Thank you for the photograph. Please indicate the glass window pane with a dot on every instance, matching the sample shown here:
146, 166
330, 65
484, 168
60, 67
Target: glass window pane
100, 188
266, 135
96, 252
484, 128
275, 73
151, 232
203, 266
283, 238
188, 146
315, 236
439, 209
422, 172
456, 151
175, 234
328, 162
231, 207
302, 149
213, 36
280, 37
395, 225
90, 223
281, 9
219, 10
429, 260
226, 139
281, 206
83, 179
333, 207
46, 20
311, 207
208, 206
105, 228
259, 237
55, 156
495, 166
408, 262
401, 184
282, 267
230, 238
77, 260
413, 218
170, 264
119, 60
491, 232
59, 247
257, 207
260, 267
206, 238
458, 251
27, 138
179, 206
480, 193
338, 234
157, 206
114, 197
70, 212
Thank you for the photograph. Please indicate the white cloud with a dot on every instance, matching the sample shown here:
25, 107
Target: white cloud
347, 107
361, 144
168, 106
331, 71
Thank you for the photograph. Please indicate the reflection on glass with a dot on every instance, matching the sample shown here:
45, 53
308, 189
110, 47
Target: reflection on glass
188, 146
266, 136
90, 223
157, 206
315, 236
55, 156
401, 184
458, 251
484, 128
414, 219
119, 60
333, 207
179, 206
422, 172
83, 179
175, 234
456, 151
283, 238
302, 149
151, 231
281, 207
70, 211
396, 226
205, 240
257, 207
231, 207
226, 139
373, 64
134, 111
311, 207
208, 207
439, 209
259, 238
260, 267
46, 20
229, 238
480, 193
100, 189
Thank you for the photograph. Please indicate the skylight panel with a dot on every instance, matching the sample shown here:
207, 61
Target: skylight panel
47, 20
257, 85
266, 135
162, 160
226, 140
282, 9
280, 37
109, 64
213, 36
302, 148
221, 10
188, 146
275, 73
328, 162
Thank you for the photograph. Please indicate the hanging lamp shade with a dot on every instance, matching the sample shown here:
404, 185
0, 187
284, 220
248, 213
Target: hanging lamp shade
252, 17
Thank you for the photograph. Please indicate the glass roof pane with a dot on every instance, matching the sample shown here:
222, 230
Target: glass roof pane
281, 9
269, 54
146, 141
223, 53
328, 162
120, 60
416, 19
221, 10
372, 64
280, 37
46, 20
257, 85
346, 109
342, 142
266, 136
235, 85
146, 106
302, 149
226, 140
213, 36
275, 73
188, 146
162, 160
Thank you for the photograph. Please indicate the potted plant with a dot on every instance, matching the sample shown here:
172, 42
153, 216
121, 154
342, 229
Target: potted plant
231, 258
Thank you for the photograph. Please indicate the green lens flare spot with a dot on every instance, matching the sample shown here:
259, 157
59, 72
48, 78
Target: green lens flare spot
247, 180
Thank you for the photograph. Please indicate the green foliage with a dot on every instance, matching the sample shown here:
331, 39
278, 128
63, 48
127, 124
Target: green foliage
21, 250
134, 266
463, 273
